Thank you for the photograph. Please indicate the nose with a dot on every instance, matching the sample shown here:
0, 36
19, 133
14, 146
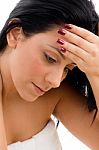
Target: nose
54, 79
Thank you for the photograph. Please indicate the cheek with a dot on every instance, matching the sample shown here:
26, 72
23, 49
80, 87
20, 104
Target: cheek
26, 67
24, 72
36, 69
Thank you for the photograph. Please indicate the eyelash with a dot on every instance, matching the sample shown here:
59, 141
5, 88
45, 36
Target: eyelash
50, 59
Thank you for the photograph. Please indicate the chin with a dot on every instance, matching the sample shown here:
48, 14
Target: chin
27, 96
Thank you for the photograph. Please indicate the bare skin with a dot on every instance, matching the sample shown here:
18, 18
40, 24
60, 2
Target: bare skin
83, 48
32, 121
19, 102
23, 108
67, 110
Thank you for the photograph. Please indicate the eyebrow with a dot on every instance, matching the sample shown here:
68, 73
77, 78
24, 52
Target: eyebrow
57, 49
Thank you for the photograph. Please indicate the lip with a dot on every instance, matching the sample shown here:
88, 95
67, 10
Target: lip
38, 90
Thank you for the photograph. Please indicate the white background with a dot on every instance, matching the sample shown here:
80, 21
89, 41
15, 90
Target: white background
69, 142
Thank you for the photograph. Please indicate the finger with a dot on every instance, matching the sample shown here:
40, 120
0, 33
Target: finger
74, 58
80, 42
79, 62
77, 40
85, 34
75, 50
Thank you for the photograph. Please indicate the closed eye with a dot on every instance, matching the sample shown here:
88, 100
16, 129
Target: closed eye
50, 59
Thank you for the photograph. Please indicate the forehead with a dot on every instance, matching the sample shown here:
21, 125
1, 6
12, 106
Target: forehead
48, 40
45, 38
54, 45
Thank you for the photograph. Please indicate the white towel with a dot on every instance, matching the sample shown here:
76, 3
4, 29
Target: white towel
47, 139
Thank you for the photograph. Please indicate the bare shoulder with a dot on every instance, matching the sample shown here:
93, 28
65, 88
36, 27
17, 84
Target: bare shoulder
70, 97
72, 111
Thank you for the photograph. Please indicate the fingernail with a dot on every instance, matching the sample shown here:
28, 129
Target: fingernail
60, 41
62, 31
62, 49
68, 26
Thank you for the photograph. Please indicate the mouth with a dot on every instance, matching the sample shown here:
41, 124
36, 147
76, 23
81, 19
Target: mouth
38, 90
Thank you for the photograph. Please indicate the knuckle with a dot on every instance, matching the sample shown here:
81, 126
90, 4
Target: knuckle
86, 36
75, 58
76, 29
67, 45
68, 36
79, 42
76, 51
94, 52
79, 61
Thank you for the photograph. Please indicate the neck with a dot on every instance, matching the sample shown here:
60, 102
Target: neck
8, 88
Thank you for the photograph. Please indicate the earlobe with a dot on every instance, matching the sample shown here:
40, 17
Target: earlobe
13, 37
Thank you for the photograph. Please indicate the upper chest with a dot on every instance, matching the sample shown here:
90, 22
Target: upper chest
24, 119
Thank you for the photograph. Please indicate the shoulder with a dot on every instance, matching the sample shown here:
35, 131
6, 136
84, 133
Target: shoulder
70, 100
72, 111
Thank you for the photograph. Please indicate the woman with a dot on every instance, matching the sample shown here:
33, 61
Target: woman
37, 49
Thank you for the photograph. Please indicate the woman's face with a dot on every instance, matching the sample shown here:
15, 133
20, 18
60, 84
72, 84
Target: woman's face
37, 65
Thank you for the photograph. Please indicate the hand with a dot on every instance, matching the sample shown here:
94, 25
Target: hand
82, 47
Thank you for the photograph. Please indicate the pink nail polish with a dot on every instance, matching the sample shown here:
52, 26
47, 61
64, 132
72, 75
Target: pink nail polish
60, 41
62, 31
68, 26
63, 50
